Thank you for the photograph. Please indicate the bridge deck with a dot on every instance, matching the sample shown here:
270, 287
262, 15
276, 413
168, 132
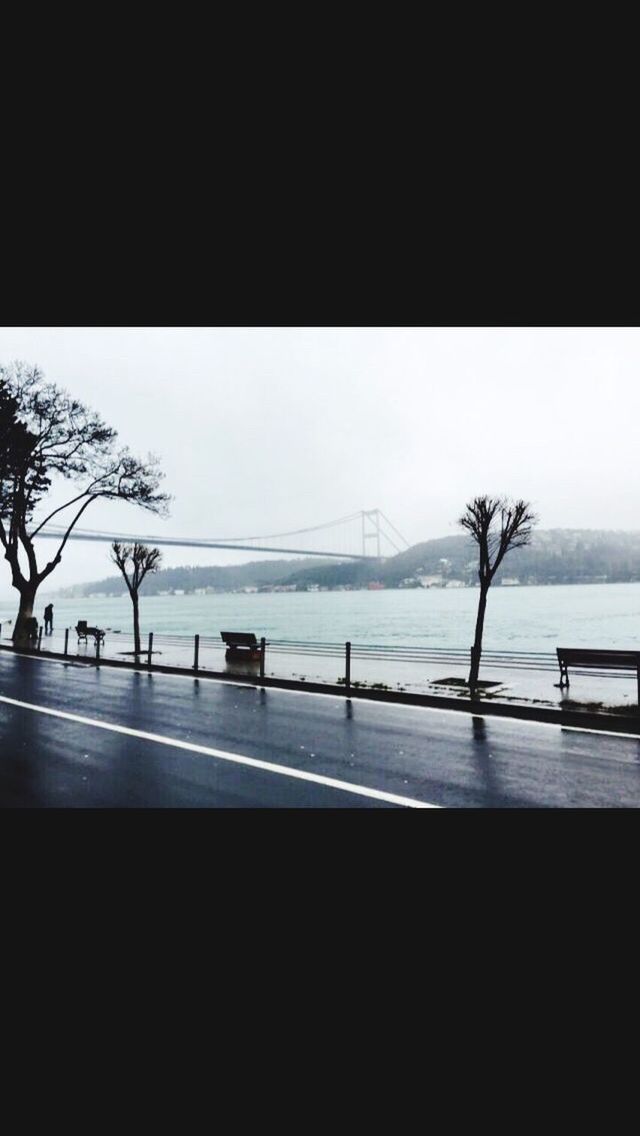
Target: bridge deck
187, 542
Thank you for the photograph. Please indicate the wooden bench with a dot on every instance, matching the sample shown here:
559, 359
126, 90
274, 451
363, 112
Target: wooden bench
83, 632
241, 645
597, 660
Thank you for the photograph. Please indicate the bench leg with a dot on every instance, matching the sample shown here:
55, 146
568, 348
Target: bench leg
564, 676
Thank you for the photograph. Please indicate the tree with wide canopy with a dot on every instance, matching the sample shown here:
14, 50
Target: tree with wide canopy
46, 438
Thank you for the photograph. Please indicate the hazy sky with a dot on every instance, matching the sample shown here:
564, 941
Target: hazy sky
267, 429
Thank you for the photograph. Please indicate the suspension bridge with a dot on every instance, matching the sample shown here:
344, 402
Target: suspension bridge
365, 535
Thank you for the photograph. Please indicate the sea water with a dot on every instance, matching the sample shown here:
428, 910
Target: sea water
517, 619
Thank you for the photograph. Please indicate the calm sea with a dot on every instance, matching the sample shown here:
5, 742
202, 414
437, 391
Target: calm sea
520, 618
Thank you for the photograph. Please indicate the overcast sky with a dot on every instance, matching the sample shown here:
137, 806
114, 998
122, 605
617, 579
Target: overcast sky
261, 430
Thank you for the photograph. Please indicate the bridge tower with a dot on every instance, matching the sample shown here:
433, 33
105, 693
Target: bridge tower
370, 530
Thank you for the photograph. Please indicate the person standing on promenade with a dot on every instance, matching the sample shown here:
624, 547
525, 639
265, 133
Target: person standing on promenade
48, 619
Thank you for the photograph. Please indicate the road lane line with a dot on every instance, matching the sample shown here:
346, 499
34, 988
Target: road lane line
224, 755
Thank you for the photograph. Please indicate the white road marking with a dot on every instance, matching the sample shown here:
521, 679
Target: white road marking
237, 758
342, 698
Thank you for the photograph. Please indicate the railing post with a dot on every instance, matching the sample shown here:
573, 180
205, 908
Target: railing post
347, 673
40, 639
196, 652
66, 640
97, 648
150, 648
263, 644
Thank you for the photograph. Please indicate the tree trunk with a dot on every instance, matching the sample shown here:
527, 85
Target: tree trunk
25, 612
136, 623
477, 644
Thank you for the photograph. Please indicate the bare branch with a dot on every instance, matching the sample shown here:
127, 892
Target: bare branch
58, 556
497, 525
60, 509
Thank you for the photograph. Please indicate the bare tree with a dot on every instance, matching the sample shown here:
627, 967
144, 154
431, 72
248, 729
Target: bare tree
47, 437
141, 560
496, 525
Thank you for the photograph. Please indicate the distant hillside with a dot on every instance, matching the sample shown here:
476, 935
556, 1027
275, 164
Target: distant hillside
187, 579
555, 556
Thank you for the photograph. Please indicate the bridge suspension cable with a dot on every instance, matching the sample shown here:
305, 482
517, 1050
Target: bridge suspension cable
291, 532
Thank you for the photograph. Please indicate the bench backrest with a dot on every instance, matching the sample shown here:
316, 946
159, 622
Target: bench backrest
616, 660
81, 625
239, 638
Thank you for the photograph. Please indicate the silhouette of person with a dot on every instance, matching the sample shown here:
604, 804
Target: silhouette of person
48, 618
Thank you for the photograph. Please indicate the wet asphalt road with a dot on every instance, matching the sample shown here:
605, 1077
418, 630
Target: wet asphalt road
427, 756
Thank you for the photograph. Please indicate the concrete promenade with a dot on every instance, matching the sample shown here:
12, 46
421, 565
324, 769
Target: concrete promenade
77, 736
531, 686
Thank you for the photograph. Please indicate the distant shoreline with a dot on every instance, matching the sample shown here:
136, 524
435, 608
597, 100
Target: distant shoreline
333, 591
53, 596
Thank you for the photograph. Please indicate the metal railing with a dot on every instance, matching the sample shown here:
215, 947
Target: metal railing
197, 653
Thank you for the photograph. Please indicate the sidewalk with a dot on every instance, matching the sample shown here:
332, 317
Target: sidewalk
524, 687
